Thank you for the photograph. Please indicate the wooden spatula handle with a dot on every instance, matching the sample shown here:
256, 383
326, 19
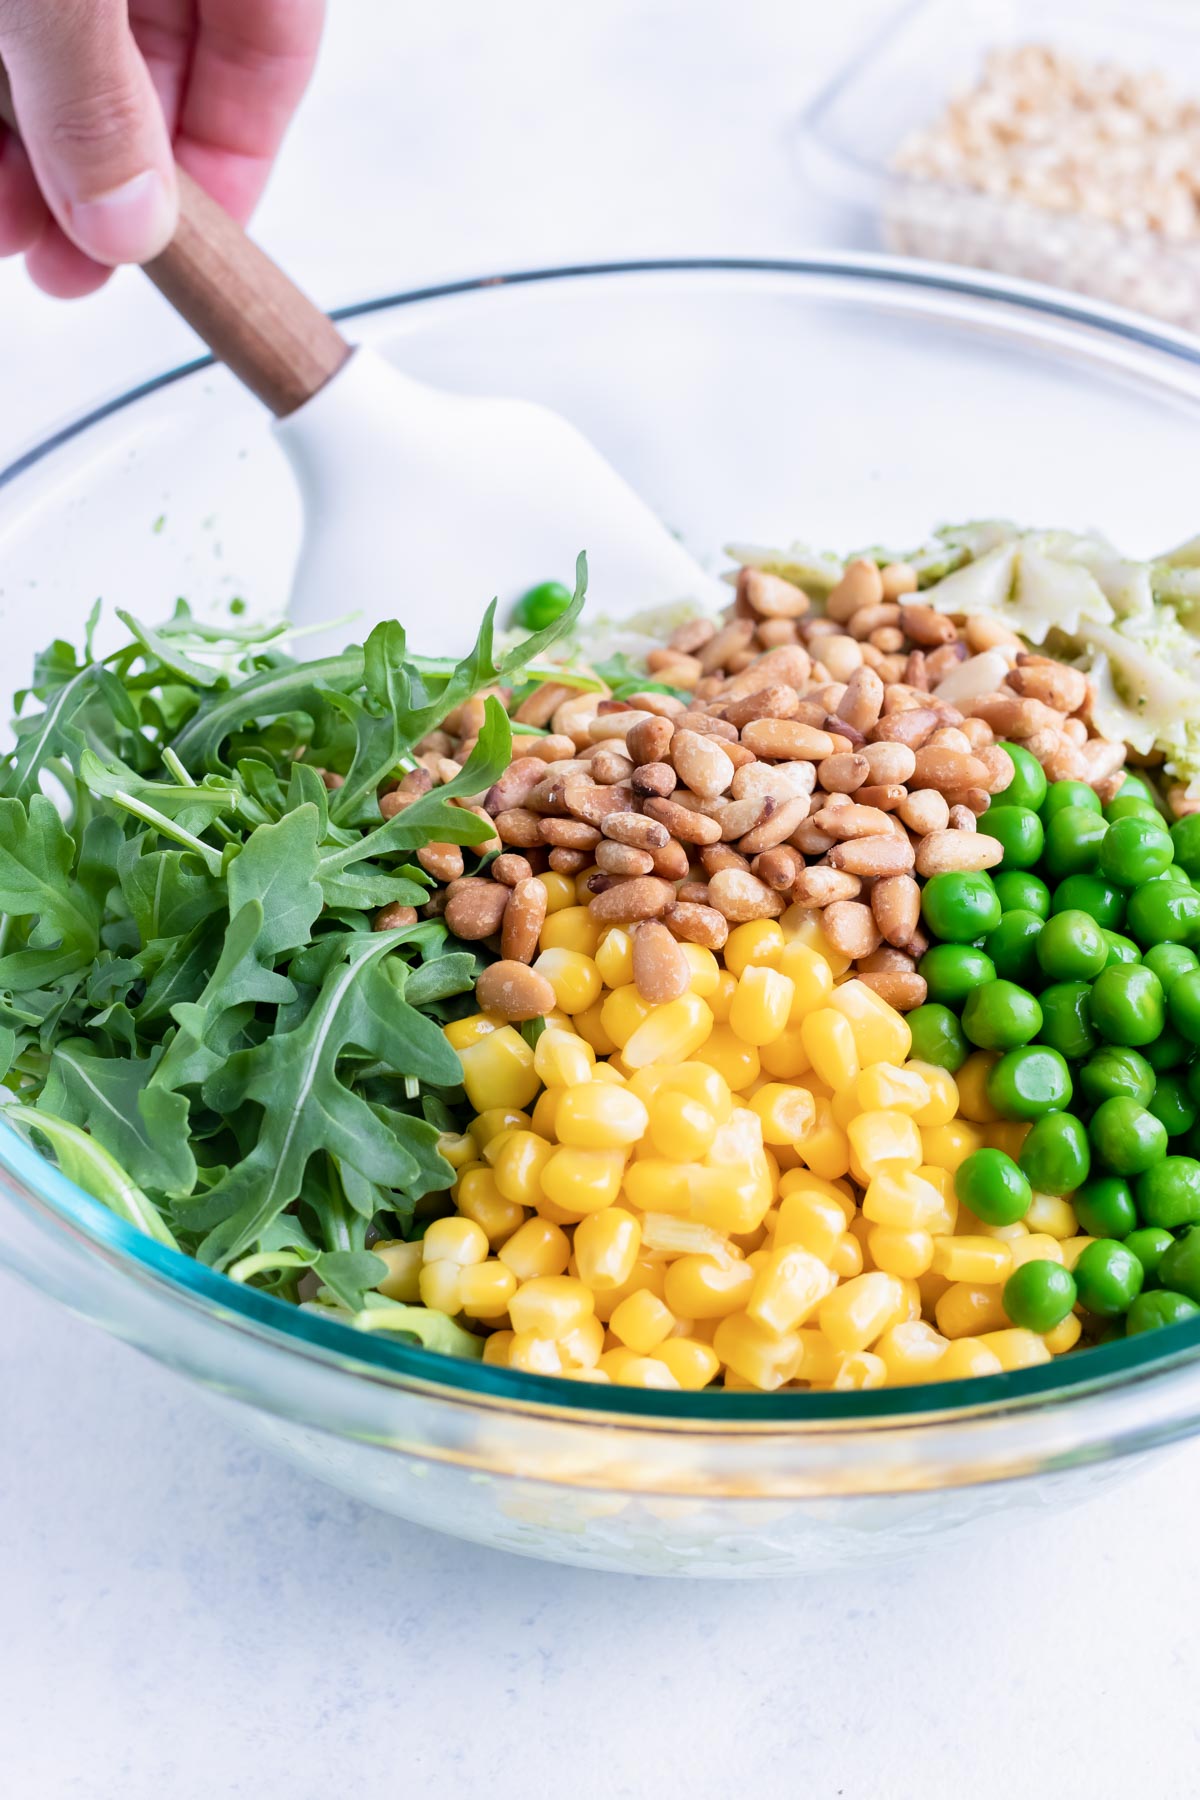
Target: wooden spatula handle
251, 316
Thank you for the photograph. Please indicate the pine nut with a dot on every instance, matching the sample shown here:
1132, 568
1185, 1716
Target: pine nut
770, 597
636, 829
510, 869
691, 636
889, 762
520, 827
623, 859
896, 904
654, 778
940, 851
475, 909
1053, 683
514, 991
693, 923
779, 868
661, 971
862, 702
680, 822
817, 885
515, 785
524, 917
671, 862
896, 579
842, 774
393, 917
899, 988
646, 897
944, 769
925, 810
764, 703
701, 763
861, 585
649, 741
785, 739
850, 928
739, 897
775, 828
890, 855
569, 834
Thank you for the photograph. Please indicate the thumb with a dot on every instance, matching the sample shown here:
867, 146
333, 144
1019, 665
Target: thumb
92, 125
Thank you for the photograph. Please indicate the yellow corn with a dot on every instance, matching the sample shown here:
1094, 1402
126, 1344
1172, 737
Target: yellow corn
1065, 1336
519, 1163
545, 1112
572, 974
943, 1181
760, 1356
705, 969
967, 1356
560, 891
858, 1369
977, 1260
570, 928
884, 1087
1036, 1246
549, 1306
758, 944
583, 1181
582, 1346
943, 1094
811, 1219
538, 1248
819, 1361
946, 1146
614, 957
785, 1056
458, 1148
461, 1033
1016, 1349
671, 1033
402, 1281
965, 1310
826, 1148
831, 1047
881, 1034
653, 1184
681, 1128
645, 1274
899, 1252
495, 1122
761, 1006
621, 1012
847, 1259
911, 1351
860, 1310
900, 1198
563, 1060
971, 1081
590, 1026
884, 1143
534, 1355
810, 975
1072, 1249
606, 1247
802, 925
642, 1322
477, 1197
789, 1284
701, 1287
1051, 1214
498, 1070
737, 1063
599, 1117
721, 998
628, 1369
438, 1287
455, 1240
785, 1113
485, 1289
496, 1348
692, 1363
1007, 1135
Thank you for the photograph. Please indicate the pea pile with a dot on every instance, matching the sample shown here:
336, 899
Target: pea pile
1064, 995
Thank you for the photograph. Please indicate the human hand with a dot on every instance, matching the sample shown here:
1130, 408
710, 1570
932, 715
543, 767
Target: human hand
108, 93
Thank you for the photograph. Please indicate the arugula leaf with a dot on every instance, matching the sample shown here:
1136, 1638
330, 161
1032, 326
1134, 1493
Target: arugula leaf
86, 1163
37, 859
144, 1128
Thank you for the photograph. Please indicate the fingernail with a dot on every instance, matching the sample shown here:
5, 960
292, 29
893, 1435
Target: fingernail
129, 224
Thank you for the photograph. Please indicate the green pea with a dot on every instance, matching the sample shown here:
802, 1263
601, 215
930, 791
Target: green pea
937, 1037
1169, 1193
1012, 946
1169, 1050
1039, 1295
1114, 1070
1185, 835
960, 906
1172, 1105
1134, 850
1001, 1015
1028, 1082
1104, 1207
1174, 876
1169, 962
1127, 1137
1071, 947
1091, 894
1183, 1005
1020, 891
1056, 1157
952, 971
1179, 1265
1073, 840
1149, 1244
1160, 912
541, 605
1063, 795
1066, 1019
1150, 1312
1129, 806
1019, 831
1121, 949
1135, 787
993, 1187
1028, 785
1109, 1278
1193, 1080
1127, 1004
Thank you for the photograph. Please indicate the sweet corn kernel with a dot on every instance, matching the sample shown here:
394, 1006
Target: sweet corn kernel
497, 1120
898, 1252
932, 1288
599, 1117
461, 1033
1051, 1214
811, 1219
454, 1240
977, 1260
560, 891
582, 1346
545, 1112
681, 1128
761, 1357
802, 925
692, 1363
519, 1164
881, 1034
534, 1355
946, 1146
402, 1281
486, 1289
844, 1106
761, 1006
621, 1012
590, 1026
497, 1347
570, 928
884, 1143
563, 1060
785, 1056
965, 1310
911, 1351
549, 1306
943, 1181
606, 1247
1072, 1249
628, 1369
884, 1087
721, 998
810, 975
860, 1310
705, 970
652, 1183
700, 1082
967, 1356
642, 1322
457, 1147
828, 1038
607, 1074
847, 1259
730, 1200
900, 1198
1015, 1348
943, 1094
1036, 1246
785, 1113
737, 1063
819, 1360
971, 1081
539, 1247
1065, 1336
1007, 1135
826, 1148
439, 1288
758, 944
572, 974
499, 1071
583, 1181
583, 893
788, 1286
477, 1197
672, 1033
858, 1369
803, 1181
701, 1287
614, 957
646, 1274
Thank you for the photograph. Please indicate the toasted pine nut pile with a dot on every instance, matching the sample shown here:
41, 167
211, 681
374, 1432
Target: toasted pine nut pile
829, 758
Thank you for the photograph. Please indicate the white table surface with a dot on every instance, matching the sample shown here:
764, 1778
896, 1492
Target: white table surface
182, 1616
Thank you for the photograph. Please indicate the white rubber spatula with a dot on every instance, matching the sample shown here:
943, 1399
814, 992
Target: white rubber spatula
418, 504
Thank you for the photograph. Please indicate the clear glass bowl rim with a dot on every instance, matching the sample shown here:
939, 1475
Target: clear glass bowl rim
57, 1203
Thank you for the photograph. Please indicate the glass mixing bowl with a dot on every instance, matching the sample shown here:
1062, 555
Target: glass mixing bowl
845, 400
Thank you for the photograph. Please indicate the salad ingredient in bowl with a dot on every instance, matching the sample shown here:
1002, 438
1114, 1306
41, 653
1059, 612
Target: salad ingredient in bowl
783, 1031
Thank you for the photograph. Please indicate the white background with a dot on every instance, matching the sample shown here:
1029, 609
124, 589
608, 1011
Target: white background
183, 1617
